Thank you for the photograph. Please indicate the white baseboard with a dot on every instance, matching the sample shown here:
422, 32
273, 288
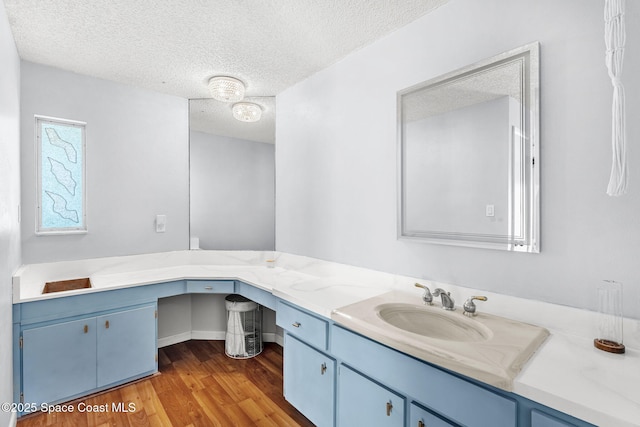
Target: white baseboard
174, 339
211, 335
278, 339
13, 420
207, 335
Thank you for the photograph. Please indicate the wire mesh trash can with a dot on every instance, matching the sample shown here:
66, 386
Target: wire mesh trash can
244, 327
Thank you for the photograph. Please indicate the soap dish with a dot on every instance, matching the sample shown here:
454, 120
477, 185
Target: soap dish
608, 346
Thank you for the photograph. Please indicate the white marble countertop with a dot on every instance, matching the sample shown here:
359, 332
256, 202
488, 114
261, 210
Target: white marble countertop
566, 373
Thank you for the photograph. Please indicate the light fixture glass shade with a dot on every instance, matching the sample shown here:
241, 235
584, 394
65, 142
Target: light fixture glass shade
247, 112
226, 89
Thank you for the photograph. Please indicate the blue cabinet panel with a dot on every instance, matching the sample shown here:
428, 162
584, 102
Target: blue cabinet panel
59, 361
309, 378
64, 360
421, 417
80, 305
540, 419
457, 399
303, 325
260, 296
210, 286
126, 344
362, 402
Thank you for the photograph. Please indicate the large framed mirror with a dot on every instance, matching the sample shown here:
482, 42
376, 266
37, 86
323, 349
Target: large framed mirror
468, 163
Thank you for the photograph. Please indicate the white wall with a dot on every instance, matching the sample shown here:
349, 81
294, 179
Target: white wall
336, 153
9, 201
232, 192
137, 165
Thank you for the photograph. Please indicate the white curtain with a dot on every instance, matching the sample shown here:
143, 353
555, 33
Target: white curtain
614, 40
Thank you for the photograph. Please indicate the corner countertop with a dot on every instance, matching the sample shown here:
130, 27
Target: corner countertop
566, 372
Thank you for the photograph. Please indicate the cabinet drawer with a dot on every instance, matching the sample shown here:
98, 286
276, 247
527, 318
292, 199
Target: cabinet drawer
210, 286
421, 417
455, 398
303, 325
258, 295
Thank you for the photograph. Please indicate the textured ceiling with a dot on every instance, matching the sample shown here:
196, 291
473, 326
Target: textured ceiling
175, 46
486, 84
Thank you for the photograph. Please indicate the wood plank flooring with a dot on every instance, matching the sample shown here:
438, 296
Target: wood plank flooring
198, 385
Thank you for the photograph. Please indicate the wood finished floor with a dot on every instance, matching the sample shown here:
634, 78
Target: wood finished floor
198, 385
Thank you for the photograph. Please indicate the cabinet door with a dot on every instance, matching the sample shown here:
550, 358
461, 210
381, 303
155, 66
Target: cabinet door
420, 417
362, 402
126, 344
309, 378
59, 361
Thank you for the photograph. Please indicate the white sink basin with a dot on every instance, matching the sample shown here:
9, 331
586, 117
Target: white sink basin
489, 348
433, 322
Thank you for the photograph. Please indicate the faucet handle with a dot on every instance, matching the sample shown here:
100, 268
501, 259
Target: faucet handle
427, 297
470, 307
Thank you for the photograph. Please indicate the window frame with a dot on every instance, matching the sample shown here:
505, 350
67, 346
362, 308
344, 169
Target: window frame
82, 228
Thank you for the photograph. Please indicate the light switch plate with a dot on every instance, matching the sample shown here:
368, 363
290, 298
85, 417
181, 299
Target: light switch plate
490, 210
161, 223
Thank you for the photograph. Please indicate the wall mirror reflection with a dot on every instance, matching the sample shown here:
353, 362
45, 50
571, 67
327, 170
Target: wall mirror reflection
231, 177
468, 155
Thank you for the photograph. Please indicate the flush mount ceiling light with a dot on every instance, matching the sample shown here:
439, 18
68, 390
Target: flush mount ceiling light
226, 89
247, 112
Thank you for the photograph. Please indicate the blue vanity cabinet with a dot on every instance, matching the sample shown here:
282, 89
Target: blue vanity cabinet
363, 402
309, 378
453, 398
308, 370
126, 344
65, 358
59, 360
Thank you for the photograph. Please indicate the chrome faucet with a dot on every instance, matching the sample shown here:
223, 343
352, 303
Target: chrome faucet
427, 297
447, 302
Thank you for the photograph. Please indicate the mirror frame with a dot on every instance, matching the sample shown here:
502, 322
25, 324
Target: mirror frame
529, 165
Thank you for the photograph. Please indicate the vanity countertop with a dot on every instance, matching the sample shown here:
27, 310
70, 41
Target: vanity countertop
566, 372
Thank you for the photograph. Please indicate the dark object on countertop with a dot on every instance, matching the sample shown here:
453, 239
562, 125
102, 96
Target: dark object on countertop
66, 285
608, 346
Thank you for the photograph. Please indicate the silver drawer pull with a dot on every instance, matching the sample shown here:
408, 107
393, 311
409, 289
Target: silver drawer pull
208, 288
296, 324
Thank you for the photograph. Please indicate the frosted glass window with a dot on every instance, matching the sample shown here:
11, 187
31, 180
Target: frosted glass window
61, 176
